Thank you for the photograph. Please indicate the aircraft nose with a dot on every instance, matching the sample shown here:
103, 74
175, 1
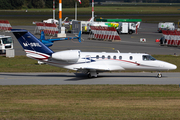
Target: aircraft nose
171, 66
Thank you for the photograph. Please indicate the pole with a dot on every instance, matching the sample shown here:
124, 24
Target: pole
75, 10
93, 10
53, 9
60, 15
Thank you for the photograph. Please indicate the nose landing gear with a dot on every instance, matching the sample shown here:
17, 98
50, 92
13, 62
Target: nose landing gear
159, 75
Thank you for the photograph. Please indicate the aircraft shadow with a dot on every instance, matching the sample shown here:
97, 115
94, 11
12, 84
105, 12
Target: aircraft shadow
42, 75
77, 76
80, 76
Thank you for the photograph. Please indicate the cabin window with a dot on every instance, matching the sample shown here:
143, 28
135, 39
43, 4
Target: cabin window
109, 57
120, 57
103, 57
97, 56
130, 57
148, 57
114, 57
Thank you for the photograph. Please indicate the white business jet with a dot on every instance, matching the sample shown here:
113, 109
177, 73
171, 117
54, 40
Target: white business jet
90, 63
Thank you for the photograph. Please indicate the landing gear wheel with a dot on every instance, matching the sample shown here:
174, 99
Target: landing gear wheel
89, 75
130, 32
92, 74
159, 75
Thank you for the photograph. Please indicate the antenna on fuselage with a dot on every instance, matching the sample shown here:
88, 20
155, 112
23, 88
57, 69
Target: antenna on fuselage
118, 51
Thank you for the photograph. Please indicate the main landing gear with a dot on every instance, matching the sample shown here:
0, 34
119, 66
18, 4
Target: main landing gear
159, 75
92, 74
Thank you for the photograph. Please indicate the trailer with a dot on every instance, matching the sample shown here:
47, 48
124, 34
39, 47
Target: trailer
6, 42
166, 26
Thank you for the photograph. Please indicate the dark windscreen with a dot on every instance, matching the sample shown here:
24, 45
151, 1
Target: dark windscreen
7, 40
148, 57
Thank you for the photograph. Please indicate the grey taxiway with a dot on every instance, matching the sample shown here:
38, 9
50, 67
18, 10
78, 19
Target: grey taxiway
80, 79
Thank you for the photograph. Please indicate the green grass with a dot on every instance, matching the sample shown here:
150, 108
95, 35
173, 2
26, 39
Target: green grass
100, 10
40, 14
25, 64
139, 4
169, 58
87, 102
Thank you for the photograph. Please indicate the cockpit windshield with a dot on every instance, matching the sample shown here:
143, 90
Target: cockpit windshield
7, 40
148, 57
133, 25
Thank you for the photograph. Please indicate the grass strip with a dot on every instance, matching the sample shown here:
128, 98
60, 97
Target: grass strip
25, 64
79, 102
26, 18
100, 10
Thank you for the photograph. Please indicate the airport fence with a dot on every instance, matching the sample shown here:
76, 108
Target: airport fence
48, 28
104, 33
5, 25
170, 37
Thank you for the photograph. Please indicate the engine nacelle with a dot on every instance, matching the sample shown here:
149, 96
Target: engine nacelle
67, 55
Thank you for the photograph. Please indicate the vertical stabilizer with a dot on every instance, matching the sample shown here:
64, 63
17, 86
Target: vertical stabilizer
32, 46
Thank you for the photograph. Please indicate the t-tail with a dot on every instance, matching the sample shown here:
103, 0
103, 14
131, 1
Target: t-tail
32, 46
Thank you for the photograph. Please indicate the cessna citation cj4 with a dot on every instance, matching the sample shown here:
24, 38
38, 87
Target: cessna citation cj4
90, 63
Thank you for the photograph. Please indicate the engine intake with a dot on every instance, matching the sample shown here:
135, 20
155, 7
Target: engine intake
67, 55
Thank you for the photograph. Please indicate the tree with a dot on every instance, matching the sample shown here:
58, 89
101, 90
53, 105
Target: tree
71, 3
38, 3
4, 4
11, 4
17, 4
84, 3
49, 3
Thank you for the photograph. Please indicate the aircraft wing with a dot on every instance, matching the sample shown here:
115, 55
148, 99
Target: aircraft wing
99, 67
93, 69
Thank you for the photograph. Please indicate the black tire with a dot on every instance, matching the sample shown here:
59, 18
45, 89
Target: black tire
130, 32
89, 75
159, 75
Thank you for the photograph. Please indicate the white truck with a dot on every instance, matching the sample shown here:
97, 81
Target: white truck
125, 27
122, 27
166, 26
6, 42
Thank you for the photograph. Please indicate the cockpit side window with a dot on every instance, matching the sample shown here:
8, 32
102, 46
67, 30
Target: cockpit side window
148, 57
